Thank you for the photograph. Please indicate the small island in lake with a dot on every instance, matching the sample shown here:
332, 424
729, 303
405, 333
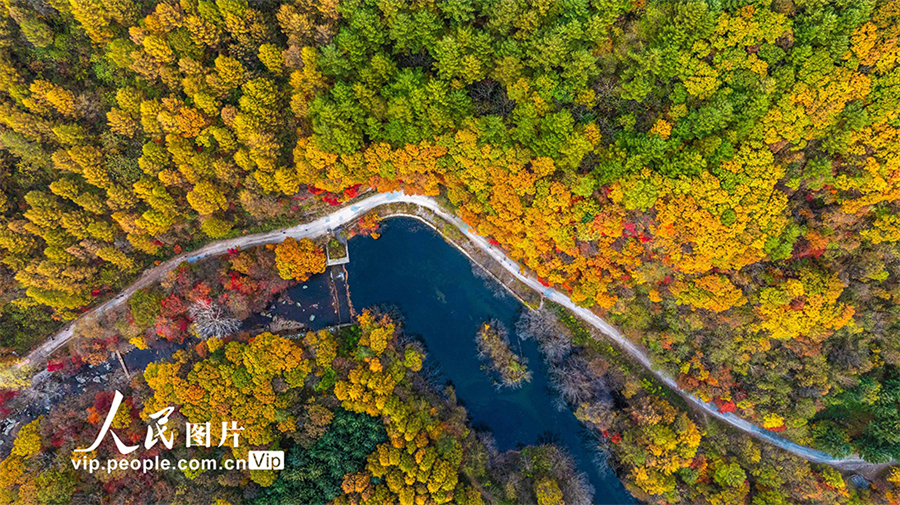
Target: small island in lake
493, 345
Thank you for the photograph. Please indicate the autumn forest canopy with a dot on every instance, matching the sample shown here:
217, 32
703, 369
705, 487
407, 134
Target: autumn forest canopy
720, 179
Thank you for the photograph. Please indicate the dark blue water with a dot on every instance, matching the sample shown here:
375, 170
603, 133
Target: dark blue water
443, 301
315, 311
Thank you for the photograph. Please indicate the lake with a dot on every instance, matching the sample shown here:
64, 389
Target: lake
444, 302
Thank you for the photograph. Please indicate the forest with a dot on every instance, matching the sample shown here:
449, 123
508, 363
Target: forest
717, 178
662, 453
358, 422
363, 420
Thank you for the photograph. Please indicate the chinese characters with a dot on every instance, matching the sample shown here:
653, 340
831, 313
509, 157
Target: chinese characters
198, 435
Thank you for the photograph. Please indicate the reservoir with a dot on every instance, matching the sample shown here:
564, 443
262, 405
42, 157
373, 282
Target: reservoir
444, 302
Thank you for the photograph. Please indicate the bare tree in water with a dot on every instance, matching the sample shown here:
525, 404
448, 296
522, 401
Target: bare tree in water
212, 320
553, 338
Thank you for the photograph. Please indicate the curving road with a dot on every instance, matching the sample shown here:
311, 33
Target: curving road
349, 213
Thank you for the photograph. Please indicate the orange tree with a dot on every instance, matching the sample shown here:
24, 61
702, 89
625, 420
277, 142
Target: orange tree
298, 259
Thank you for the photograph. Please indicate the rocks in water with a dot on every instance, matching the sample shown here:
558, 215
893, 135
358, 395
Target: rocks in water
859, 482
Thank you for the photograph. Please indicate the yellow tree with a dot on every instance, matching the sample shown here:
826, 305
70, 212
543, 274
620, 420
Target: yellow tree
236, 388
711, 292
206, 198
659, 442
93, 17
807, 307
298, 259
28, 440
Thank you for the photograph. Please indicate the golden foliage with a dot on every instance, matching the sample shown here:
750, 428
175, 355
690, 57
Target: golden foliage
298, 259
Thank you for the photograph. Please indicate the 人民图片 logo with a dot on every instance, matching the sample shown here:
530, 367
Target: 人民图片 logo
196, 435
